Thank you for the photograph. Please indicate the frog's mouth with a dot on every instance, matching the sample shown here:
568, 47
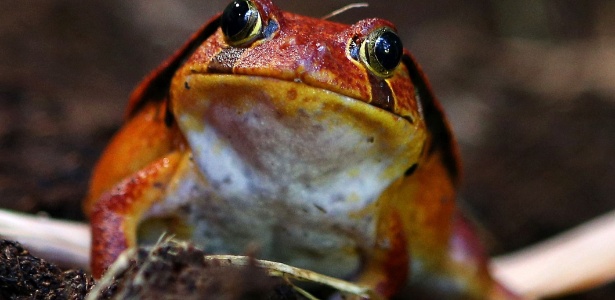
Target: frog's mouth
258, 135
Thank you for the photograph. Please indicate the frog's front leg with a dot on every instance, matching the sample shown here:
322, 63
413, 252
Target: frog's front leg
387, 267
116, 215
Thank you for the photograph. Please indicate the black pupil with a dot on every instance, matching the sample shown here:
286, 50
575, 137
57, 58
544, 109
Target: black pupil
388, 50
235, 18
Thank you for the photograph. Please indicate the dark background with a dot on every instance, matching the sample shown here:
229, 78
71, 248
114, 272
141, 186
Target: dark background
529, 86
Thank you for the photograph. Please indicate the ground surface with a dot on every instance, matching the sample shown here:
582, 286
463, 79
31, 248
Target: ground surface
169, 271
529, 87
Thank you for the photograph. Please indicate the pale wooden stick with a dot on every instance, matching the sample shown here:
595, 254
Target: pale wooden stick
62, 242
575, 260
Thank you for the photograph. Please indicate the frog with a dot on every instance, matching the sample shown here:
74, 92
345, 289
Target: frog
314, 143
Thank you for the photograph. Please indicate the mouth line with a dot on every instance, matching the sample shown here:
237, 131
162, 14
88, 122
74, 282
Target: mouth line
388, 108
296, 80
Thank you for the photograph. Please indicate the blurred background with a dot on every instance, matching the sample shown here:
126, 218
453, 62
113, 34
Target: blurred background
529, 86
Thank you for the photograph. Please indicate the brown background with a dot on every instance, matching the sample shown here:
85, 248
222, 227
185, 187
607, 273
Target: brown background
529, 86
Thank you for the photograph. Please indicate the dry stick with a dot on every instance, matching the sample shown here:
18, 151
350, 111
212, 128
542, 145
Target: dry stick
62, 242
282, 270
580, 258
344, 9
575, 260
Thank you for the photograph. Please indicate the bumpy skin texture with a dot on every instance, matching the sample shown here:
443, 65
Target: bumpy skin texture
298, 78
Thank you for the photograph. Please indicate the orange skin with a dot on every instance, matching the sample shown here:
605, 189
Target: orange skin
416, 213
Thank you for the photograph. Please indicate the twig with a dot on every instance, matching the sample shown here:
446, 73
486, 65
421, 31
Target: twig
345, 8
63, 242
282, 270
575, 260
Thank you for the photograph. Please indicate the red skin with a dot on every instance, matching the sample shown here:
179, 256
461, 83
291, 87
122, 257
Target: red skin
417, 214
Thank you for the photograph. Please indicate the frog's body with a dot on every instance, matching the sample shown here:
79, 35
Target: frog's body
295, 143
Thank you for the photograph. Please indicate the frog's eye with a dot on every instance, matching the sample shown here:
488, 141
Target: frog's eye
381, 51
241, 23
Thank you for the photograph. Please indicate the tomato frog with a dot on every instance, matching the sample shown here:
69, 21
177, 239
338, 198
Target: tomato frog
320, 144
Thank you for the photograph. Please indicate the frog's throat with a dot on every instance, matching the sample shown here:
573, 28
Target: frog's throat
263, 138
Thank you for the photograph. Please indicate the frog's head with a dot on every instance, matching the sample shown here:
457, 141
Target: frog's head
264, 93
